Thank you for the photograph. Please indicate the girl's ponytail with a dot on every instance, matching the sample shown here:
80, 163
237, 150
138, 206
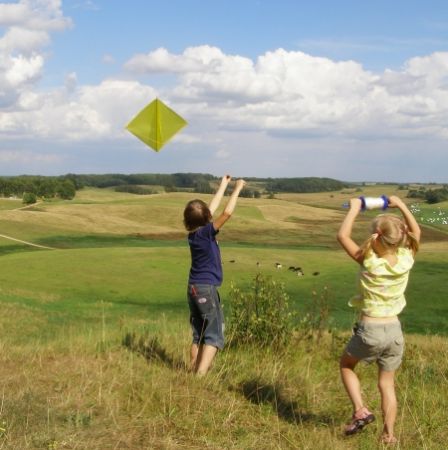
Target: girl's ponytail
366, 247
412, 242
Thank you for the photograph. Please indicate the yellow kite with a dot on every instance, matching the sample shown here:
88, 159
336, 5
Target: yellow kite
156, 124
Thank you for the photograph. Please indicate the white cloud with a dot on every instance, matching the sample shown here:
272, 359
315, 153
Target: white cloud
160, 60
282, 99
285, 93
297, 94
28, 25
26, 157
23, 70
77, 113
21, 40
34, 14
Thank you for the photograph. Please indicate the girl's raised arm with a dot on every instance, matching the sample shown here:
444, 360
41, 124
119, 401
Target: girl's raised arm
345, 232
414, 228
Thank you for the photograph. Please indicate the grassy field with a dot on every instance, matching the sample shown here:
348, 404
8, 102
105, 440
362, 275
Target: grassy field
120, 266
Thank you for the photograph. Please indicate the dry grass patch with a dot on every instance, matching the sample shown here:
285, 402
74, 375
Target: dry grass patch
89, 392
98, 218
280, 213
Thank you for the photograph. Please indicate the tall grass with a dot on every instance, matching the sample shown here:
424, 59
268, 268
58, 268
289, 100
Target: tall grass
86, 390
95, 338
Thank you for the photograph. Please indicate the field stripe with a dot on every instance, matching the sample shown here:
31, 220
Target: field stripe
26, 242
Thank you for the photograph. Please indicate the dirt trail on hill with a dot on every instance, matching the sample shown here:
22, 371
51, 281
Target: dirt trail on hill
26, 242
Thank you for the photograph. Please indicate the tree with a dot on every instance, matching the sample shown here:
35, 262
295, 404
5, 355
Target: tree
47, 188
203, 187
66, 190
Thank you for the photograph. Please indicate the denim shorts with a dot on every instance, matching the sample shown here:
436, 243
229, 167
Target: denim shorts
382, 343
206, 316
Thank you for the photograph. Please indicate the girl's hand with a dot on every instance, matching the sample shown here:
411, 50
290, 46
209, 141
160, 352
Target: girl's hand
226, 179
395, 202
356, 204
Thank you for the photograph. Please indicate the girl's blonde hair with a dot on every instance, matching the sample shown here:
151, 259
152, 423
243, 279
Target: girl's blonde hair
393, 233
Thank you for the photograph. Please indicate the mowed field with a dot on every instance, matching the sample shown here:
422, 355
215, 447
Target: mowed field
119, 265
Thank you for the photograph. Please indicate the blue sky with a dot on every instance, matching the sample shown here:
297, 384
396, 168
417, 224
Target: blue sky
349, 90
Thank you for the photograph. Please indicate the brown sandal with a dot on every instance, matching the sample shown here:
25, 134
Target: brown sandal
360, 419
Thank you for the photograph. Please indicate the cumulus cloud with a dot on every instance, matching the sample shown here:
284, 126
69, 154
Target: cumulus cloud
77, 113
34, 14
281, 96
298, 94
28, 25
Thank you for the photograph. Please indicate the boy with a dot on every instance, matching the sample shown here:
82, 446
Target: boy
206, 316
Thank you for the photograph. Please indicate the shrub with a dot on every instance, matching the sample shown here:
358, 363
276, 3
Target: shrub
250, 193
436, 195
29, 198
261, 315
317, 319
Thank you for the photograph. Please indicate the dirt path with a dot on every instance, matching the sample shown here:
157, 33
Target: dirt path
26, 242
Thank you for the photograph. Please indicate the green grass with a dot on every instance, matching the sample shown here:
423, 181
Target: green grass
68, 382
86, 390
6, 204
149, 279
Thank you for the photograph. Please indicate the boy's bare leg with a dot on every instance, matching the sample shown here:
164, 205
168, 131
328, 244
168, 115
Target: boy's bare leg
351, 380
205, 358
194, 356
386, 385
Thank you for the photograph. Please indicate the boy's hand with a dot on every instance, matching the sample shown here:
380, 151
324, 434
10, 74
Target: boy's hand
240, 184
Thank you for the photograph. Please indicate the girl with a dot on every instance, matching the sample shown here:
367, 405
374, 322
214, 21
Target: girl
385, 259
206, 315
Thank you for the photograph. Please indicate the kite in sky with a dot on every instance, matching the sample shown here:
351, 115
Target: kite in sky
156, 124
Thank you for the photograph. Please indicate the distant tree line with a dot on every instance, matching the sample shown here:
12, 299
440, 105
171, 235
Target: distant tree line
430, 195
304, 185
135, 189
65, 186
175, 180
29, 187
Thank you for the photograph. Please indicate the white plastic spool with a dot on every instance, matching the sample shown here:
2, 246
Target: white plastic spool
368, 203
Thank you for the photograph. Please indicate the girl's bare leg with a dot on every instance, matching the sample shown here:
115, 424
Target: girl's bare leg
351, 380
386, 385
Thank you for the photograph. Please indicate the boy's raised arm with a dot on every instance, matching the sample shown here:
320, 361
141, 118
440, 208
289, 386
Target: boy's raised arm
216, 200
230, 207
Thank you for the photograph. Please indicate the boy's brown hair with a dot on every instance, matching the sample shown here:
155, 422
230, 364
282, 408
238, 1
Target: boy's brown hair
196, 214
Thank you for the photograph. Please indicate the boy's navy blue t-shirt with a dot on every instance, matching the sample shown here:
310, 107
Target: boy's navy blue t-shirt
205, 256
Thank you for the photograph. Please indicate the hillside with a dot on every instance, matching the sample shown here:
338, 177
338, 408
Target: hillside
119, 270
